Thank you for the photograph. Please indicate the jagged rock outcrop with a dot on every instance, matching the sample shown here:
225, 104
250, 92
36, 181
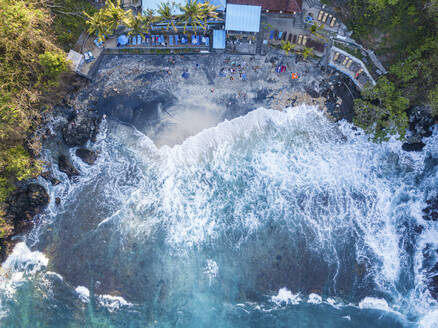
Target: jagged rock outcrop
83, 126
86, 155
66, 166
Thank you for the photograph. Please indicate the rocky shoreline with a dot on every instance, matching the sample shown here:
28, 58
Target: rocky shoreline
137, 90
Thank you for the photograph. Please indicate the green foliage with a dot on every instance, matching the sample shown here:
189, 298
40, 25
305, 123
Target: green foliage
69, 20
307, 52
287, 46
29, 62
382, 111
433, 100
53, 63
106, 20
404, 34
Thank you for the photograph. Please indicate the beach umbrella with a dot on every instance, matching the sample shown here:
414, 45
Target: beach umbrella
185, 75
123, 40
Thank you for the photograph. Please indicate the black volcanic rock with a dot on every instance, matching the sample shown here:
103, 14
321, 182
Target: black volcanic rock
86, 155
415, 146
66, 166
24, 203
80, 129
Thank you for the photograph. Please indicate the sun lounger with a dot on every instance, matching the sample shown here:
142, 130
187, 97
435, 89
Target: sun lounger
333, 22
349, 64
284, 37
280, 34
345, 61
336, 56
271, 35
207, 41
193, 39
300, 39
147, 39
324, 19
176, 40
197, 40
139, 39
289, 37
170, 40
304, 40
134, 40
321, 13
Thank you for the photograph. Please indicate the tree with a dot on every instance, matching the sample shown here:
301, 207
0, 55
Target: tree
209, 11
193, 14
96, 24
106, 20
137, 25
307, 52
53, 63
287, 46
165, 10
433, 100
315, 30
382, 111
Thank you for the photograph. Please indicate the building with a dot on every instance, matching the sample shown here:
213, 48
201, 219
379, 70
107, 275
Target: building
279, 6
243, 18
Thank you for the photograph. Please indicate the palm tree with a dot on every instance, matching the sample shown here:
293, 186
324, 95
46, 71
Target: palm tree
287, 46
307, 52
165, 10
193, 14
149, 19
209, 11
106, 20
96, 25
137, 25
315, 30
113, 14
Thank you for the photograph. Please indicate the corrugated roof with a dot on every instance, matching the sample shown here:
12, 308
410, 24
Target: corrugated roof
218, 39
243, 18
273, 5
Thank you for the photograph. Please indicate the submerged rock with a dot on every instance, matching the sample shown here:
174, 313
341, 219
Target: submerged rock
66, 166
86, 155
81, 128
430, 212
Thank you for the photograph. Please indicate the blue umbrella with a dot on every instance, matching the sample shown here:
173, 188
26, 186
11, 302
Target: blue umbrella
185, 75
123, 40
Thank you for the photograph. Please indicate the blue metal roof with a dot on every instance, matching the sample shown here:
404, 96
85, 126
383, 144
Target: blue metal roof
218, 39
243, 18
220, 3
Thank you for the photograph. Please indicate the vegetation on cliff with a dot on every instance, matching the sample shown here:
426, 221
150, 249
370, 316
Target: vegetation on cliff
33, 76
404, 35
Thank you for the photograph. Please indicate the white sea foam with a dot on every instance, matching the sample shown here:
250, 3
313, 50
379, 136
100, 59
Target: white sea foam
285, 297
374, 303
211, 269
111, 303
19, 267
314, 299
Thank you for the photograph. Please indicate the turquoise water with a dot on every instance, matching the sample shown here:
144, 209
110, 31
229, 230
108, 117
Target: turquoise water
274, 219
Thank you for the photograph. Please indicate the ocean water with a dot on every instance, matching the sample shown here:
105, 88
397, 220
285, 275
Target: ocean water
273, 219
